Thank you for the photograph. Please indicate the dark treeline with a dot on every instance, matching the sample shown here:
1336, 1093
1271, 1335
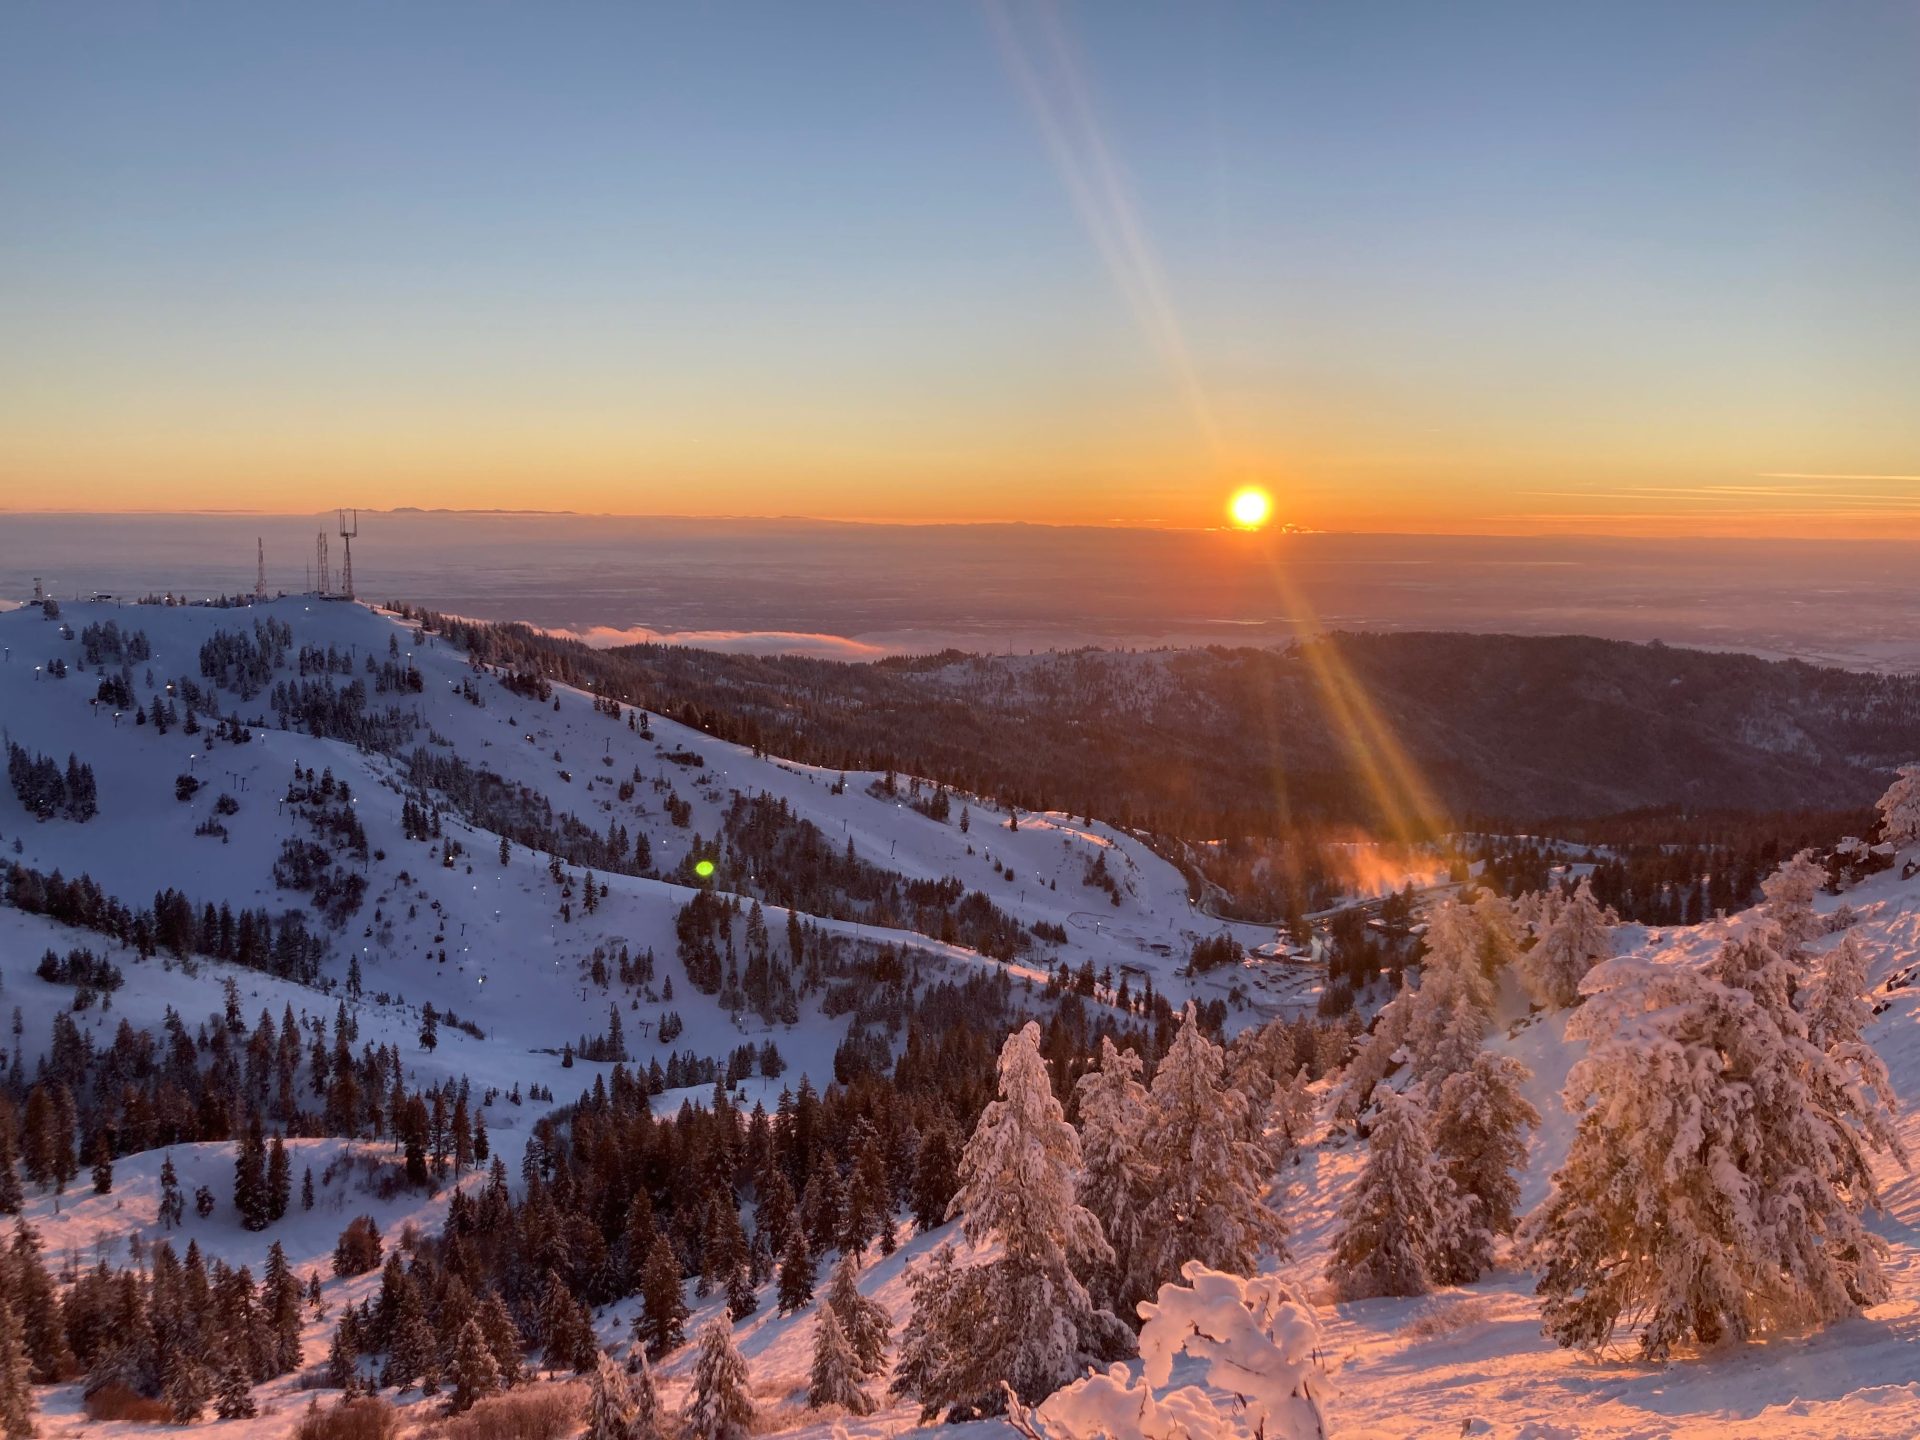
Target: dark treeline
1664, 867
172, 923
47, 790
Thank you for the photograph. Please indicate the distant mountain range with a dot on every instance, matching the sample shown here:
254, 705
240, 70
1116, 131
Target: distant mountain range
1219, 740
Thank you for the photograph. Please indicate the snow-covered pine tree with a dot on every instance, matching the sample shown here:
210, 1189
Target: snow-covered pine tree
649, 1420
1259, 1340
1498, 933
503, 1338
865, 1323
188, 1388
233, 1393
475, 1374
1402, 1216
609, 1402
1455, 942
1900, 808
796, 1273
1835, 1003
836, 1375
1789, 893
1572, 942
1017, 1183
663, 1297
16, 1380
1445, 1024
1290, 1116
1374, 1059
1206, 1202
342, 1359
1115, 1180
941, 1293
1716, 1182
1479, 1131
720, 1406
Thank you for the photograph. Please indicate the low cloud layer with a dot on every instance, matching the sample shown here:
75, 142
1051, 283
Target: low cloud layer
739, 642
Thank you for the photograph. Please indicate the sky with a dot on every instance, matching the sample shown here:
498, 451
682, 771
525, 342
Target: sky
1486, 268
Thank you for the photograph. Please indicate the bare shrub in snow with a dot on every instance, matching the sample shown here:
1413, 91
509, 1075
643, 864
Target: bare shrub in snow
1443, 1317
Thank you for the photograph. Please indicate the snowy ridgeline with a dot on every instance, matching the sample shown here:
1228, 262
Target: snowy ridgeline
329, 1049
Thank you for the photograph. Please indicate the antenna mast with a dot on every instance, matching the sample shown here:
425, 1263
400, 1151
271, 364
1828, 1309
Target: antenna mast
259, 568
320, 563
349, 527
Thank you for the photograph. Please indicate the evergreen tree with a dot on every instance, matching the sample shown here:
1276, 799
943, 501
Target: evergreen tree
280, 1306
342, 1356
936, 1175
16, 1381
474, 1373
1206, 1180
1017, 1180
663, 1299
187, 1388
836, 1375
100, 1152
1479, 1131
796, 1273
1402, 1218
1116, 1185
171, 1204
864, 1323
250, 1195
279, 1180
610, 1408
1259, 1342
1835, 1003
1572, 943
1900, 808
503, 1338
11, 1196
649, 1420
721, 1405
233, 1393
1723, 1161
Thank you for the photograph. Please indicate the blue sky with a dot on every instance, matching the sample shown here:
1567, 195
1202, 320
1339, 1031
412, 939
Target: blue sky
1479, 261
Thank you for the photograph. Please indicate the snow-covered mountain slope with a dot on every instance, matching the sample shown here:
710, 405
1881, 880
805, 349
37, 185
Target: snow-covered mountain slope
493, 921
477, 938
1468, 1361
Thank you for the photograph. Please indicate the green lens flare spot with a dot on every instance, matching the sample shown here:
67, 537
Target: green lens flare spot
704, 869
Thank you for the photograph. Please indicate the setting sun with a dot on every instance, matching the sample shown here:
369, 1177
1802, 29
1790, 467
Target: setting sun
1250, 508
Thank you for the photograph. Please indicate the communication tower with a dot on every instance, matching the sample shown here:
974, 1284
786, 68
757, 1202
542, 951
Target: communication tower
325, 586
349, 527
259, 568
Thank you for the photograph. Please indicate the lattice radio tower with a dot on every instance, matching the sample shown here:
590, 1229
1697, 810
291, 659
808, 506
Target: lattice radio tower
259, 568
349, 527
320, 563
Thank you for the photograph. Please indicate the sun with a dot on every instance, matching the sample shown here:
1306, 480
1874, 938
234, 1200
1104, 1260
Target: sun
1250, 508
